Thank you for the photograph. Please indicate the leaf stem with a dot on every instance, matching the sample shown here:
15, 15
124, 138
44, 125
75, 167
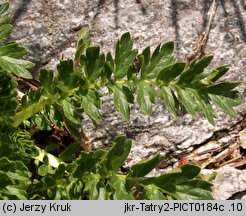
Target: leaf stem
31, 110
53, 161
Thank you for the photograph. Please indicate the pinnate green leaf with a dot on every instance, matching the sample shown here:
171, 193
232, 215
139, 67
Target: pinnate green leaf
8, 102
15, 178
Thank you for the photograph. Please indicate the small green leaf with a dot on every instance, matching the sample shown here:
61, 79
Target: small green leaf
68, 153
46, 78
160, 59
41, 122
187, 100
146, 95
118, 183
145, 58
83, 42
74, 130
109, 66
17, 66
121, 103
95, 187
153, 193
13, 50
170, 73
44, 169
194, 190
169, 99
182, 183
91, 186
4, 8
217, 73
144, 167
51, 147
197, 68
5, 31
65, 69
190, 170
90, 105
168, 48
222, 88
118, 153
124, 55
204, 103
60, 171
70, 112
87, 162
5, 180
128, 94
54, 115
5, 20
92, 63
223, 103
8, 94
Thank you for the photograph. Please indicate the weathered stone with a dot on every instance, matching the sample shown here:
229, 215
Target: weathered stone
228, 182
50, 28
242, 138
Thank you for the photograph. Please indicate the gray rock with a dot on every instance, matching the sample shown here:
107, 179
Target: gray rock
49, 30
229, 181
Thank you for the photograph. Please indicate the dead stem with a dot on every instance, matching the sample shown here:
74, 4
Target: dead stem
199, 50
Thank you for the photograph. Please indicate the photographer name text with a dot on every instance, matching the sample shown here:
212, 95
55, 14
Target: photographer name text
42, 208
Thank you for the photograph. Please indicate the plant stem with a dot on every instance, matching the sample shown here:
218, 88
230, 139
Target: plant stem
53, 161
30, 111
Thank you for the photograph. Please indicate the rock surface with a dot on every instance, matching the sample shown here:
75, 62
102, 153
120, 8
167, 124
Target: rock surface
229, 183
49, 30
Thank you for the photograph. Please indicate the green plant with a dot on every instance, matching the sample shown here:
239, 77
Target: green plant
63, 167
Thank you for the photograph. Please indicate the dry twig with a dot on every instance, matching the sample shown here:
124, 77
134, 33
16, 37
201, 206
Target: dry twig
199, 50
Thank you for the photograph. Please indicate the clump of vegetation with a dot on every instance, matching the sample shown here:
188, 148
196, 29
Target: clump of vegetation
44, 153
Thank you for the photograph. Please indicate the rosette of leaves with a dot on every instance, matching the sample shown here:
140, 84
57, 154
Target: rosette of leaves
58, 168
